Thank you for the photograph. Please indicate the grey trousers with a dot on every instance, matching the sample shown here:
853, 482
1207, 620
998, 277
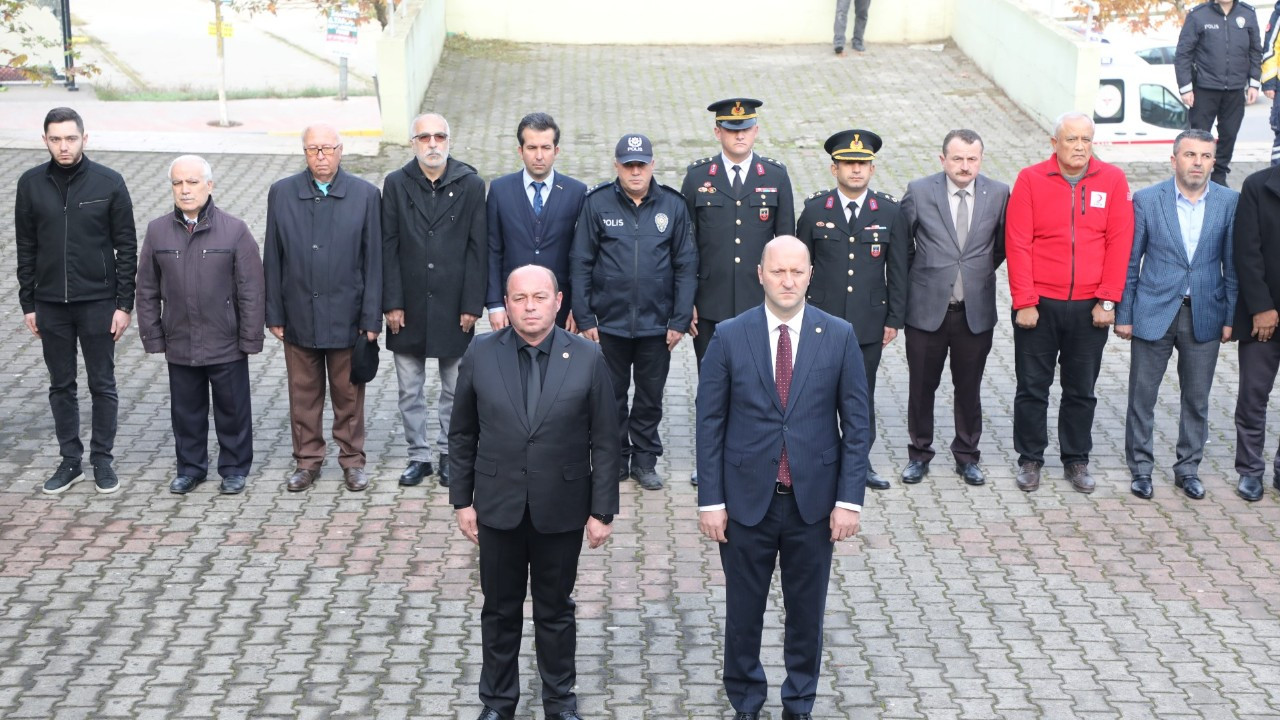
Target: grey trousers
1196, 364
1258, 364
411, 374
860, 8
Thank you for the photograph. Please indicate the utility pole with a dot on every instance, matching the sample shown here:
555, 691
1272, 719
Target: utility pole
69, 60
223, 121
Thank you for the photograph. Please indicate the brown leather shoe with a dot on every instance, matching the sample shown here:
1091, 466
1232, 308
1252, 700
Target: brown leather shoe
1081, 480
355, 479
1028, 476
302, 479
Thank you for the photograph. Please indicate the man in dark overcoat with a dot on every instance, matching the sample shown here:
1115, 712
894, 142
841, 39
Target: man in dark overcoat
323, 264
433, 254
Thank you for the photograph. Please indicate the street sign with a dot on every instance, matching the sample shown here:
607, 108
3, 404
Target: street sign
342, 30
227, 30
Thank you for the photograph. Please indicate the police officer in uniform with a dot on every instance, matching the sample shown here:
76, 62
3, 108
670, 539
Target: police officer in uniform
739, 201
857, 238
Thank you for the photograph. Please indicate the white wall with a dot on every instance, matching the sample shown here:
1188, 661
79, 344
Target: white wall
691, 22
1044, 68
407, 57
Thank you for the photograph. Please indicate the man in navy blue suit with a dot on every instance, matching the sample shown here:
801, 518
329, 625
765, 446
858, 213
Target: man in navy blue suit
1180, 292
783, 435
531, 216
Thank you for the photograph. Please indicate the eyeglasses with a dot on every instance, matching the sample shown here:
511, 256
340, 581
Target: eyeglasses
314, 150
440, 138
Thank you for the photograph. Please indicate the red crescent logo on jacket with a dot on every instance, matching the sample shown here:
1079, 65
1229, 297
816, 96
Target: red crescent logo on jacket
764, 214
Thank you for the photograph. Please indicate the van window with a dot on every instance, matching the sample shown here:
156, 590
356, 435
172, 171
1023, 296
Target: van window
1162, 108
1109, 105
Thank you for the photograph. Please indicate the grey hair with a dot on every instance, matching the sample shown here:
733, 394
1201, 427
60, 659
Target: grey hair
1069, 115
321, 126
414, 123
1193, 134
204, 166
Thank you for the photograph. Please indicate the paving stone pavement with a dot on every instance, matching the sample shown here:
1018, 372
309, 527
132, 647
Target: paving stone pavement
955, 602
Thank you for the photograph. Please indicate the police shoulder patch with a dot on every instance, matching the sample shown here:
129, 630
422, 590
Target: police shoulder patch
670, 189
604, 184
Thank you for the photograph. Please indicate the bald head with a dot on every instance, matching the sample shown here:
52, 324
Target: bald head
784, 272
533, 299
323, 147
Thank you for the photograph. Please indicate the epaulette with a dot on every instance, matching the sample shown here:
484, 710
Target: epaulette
671, 189
817, 194
771, 161
604, 184
701, 161
886, 196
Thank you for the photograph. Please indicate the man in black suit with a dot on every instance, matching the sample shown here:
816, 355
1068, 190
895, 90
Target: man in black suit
738, 200
955, 220
857, 238
782, 456
535, 459
531, 216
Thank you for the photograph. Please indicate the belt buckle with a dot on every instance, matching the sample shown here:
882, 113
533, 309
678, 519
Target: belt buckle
781, 489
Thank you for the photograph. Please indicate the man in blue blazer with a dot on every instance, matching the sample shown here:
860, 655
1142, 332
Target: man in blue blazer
1180, 293
782, 467
531, 216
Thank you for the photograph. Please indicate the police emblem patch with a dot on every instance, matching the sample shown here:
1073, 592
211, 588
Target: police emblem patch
875, 250
1240, 22
661, 221
634, 143
764, 214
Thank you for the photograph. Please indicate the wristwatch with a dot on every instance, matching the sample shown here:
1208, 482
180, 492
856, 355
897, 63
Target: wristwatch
606, 519
1108, 306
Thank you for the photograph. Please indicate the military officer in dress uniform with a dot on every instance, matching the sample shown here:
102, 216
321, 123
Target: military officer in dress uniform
857, 238
739, 201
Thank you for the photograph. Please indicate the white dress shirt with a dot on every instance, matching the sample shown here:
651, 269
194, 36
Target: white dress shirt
793, 329
844, 204
546, 191
744, 167
953, 202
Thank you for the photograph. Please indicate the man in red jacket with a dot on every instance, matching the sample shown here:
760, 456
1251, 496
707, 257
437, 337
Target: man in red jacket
1068, 232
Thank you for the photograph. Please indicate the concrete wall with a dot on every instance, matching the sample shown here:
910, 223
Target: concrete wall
407, 57
692, 22
1044, 68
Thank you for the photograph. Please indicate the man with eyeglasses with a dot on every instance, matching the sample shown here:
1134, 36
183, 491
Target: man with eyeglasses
433, 253
77, 252
323, 264
634, 270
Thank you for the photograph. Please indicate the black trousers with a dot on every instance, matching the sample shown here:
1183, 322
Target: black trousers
648, 360
548, 563
1227, 107
61, 326
706, 328
189, 389
871, 353
1258, 364
926, 354
1065, 336
804, 552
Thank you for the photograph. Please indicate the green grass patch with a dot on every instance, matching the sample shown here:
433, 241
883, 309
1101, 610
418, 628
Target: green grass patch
467, 46
180, 94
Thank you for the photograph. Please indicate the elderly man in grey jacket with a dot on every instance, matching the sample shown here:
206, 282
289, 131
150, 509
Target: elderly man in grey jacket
323, 263
200, 302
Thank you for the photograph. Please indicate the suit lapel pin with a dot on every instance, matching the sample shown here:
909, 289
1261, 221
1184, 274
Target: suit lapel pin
565, 356
450, 193
817, 329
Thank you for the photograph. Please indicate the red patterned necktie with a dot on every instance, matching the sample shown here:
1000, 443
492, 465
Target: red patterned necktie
782, 377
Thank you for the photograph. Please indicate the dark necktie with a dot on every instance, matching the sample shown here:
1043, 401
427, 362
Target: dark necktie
962, 234
782, 377
191, 226
537, 197
853, 211
533, 383
737, 180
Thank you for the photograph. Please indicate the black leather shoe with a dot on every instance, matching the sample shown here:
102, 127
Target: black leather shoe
1028, 476
796, 716
746, 716
489, 713
1250, 488
875, 482
232, 485
915, 472
444, 470
693, 479
564, 715
971, 473
1141, 486
1192, 486
184, 484
417, 471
